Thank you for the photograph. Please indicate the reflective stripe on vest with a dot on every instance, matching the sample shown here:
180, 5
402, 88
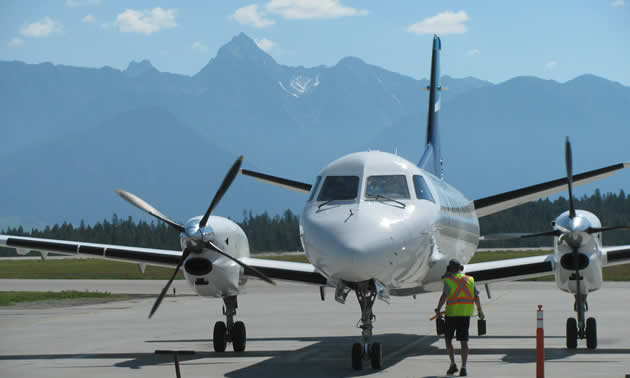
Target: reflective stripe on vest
461, 299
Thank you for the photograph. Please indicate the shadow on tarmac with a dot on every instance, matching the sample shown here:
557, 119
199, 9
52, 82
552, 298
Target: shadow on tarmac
327, 356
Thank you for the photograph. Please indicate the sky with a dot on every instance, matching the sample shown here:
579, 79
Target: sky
490, 40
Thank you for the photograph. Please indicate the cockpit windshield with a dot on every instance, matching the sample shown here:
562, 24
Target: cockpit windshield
390, 186
339, 188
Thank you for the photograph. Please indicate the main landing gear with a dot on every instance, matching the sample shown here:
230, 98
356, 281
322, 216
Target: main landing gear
580, 329
233, 332
365, 351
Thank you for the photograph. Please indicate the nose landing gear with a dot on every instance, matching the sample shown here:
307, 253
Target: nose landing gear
579, 328
373, 352
233, 332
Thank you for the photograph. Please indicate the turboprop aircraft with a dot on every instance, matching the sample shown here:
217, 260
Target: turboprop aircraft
373, 223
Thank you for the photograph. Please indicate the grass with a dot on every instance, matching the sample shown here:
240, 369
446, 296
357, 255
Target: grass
8, 298
105, 269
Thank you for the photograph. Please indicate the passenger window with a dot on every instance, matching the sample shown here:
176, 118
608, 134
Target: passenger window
339, 188
391, 186
315, 187
422, 190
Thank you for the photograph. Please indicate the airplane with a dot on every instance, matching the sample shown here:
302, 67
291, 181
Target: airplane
373, 223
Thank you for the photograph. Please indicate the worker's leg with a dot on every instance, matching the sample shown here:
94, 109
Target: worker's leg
464, 353
450, 349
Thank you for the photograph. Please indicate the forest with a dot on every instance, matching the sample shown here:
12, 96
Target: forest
280, 233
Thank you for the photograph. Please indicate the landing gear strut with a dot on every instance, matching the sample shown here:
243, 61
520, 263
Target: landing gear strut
579, 328
366, 295
232, 332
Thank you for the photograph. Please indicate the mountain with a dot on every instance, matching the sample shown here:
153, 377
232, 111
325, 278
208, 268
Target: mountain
72, 135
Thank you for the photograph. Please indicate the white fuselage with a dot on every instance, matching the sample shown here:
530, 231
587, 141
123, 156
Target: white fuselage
402, 239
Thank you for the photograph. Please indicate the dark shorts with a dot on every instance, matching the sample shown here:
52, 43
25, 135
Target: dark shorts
459, 324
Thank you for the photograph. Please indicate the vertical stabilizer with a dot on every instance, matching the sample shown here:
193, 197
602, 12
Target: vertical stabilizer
431, 160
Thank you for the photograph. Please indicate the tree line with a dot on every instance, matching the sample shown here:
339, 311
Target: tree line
281, 232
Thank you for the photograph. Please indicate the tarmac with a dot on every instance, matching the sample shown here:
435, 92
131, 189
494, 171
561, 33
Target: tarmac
292, 333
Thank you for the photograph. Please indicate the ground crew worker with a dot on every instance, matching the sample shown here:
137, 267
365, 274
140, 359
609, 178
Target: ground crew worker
459, 294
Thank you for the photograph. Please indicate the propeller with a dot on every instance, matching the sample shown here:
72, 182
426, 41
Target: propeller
143, 205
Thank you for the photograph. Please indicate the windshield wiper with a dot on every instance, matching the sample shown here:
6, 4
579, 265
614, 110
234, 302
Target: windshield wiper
389, 198
325, 203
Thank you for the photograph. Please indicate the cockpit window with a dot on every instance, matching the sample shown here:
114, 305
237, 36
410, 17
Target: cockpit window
391, 186
422, 190
315, 187
339, 188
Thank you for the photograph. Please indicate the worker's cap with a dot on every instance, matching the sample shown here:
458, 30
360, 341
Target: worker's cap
454, 266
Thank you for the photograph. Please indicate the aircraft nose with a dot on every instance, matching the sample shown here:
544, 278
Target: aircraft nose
356, 250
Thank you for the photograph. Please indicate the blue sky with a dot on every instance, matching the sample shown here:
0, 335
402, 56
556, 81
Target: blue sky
491, 40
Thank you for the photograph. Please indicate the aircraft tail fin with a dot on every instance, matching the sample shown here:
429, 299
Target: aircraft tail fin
431, 160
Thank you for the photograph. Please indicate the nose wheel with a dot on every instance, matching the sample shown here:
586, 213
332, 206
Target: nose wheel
232, 332
366, 351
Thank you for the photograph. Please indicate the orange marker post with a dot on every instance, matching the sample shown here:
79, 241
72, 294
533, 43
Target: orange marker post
540, 344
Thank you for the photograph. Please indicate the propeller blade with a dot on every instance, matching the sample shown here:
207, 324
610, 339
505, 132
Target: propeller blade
158, 301
512, 236
569, 162
592, 230
142, 205
227, 181
255, 271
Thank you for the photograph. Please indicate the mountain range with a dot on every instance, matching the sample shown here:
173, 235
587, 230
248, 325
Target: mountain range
72, 135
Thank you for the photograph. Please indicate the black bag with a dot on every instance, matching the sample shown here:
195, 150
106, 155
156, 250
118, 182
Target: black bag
440, 325
481, 327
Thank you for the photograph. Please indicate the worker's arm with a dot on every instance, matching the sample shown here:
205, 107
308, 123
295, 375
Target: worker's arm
443, 299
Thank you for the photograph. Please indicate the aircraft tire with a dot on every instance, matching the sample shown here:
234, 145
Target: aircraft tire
591, 333
357, 356
239, 337
376, 356
572, 333
219, 337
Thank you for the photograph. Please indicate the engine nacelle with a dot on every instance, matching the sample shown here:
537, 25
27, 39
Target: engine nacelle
209, 273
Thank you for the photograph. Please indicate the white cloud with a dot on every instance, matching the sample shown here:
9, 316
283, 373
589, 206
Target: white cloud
473, 52
250, 15
199, 46
16, 42
41, 28
81, 3
265, 44
311, 9
87, 19
443, 23
551, 65
618, 3
146, 21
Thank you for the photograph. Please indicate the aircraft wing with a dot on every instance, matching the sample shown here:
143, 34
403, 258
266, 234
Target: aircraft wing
149, 256
280, 270
511, 269
616, 255
287, 271
493, 204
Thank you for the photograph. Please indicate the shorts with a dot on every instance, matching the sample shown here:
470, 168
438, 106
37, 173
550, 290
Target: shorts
459, 324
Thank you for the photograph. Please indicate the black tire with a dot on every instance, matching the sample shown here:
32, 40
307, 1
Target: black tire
239, 337
376, 356
572, 333
219, 337
357, 356
591, 333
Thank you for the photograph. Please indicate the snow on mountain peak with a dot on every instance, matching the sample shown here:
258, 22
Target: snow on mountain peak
300, 85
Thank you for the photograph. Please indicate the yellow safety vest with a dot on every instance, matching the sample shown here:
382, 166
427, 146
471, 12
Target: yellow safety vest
461, 298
